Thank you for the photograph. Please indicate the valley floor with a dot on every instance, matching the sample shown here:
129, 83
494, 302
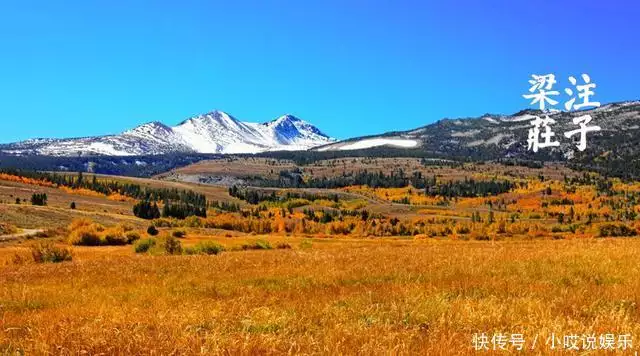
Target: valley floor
501, 253
322, 296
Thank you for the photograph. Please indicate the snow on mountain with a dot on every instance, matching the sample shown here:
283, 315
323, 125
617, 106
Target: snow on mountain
506, 136
214, 132
373, 142
292, 132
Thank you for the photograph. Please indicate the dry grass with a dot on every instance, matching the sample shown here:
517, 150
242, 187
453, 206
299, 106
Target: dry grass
338, 296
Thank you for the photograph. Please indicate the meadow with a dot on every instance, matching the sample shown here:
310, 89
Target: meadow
322, 296
352, 270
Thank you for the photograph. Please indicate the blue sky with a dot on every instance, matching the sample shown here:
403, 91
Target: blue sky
352, 67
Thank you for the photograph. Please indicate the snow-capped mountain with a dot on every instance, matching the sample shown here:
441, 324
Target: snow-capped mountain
214, 132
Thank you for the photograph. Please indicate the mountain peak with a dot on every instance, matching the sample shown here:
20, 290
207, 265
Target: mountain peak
215, 116
288, 117
149, 128
213, 132
217, 113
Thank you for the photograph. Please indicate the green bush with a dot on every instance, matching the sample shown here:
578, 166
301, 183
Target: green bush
43, 253
205, 248
145, 245
193, 221
132, 236
258, 245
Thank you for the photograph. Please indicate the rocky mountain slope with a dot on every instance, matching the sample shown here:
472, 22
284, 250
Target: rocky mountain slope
505, 136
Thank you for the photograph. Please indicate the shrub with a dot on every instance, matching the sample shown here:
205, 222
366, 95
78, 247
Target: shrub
258, 245
162, 222
615, 230
179, 234
43, 253
73, 205
151, 230
283, 246
132, 236
193, 221
205, 248
86, 236
145, 245
305, 244
556, 228
7, 229
125, 227
172, 246
115, 236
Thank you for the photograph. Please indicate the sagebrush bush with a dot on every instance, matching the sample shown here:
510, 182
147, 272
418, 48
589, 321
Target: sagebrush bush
7, 229
283, 246
125, 227
172, 246
258, 245
163, 222
145, 245
43, 253
205, 248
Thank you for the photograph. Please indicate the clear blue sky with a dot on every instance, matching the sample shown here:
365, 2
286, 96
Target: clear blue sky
352, 67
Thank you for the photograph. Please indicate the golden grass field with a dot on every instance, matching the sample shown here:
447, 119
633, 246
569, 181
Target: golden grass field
326, 293
332, 296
